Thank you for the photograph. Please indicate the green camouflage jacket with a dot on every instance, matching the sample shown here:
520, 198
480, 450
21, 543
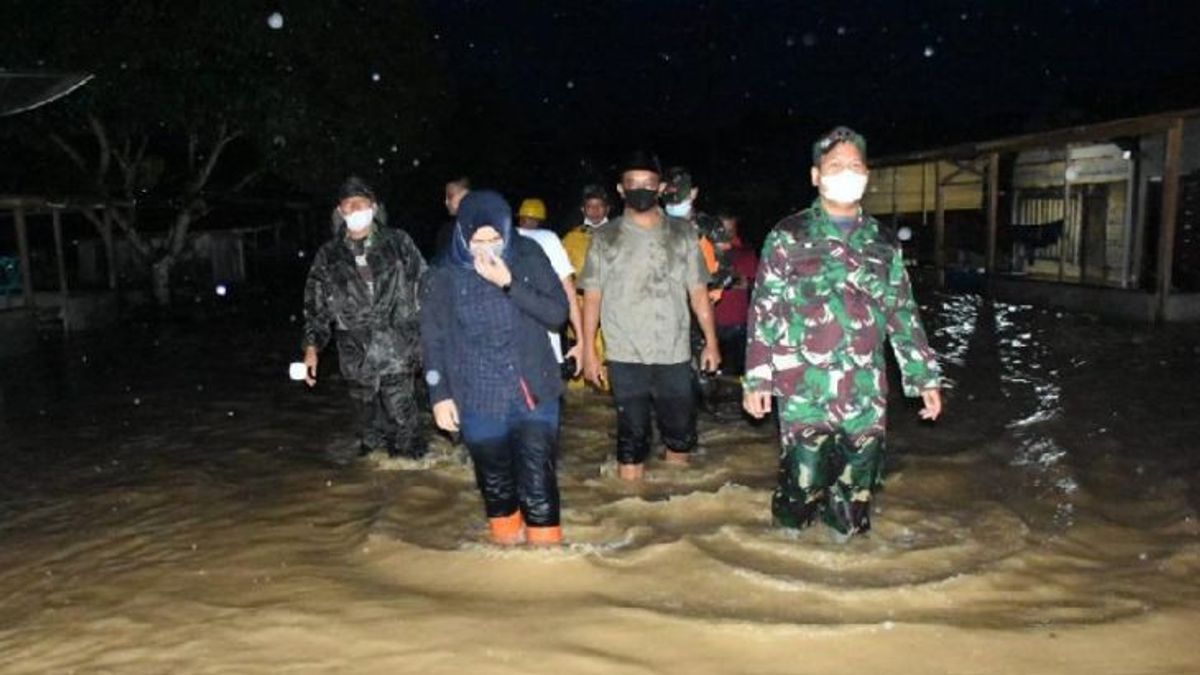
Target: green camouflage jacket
823, 303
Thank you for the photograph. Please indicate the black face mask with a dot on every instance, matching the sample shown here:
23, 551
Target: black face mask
642, 199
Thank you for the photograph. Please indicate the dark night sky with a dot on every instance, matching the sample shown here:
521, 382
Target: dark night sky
540, 97
684, 68
738, 89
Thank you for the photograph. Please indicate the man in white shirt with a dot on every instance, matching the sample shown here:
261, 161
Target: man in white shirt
531, 215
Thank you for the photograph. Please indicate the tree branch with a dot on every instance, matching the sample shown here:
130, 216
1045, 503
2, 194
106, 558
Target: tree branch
105, 157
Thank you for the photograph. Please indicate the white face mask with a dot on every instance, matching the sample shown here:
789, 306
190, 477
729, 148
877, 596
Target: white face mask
681, 210
594, 223
358, 221
844, 187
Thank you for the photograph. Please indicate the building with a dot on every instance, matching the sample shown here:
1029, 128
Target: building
1103, 218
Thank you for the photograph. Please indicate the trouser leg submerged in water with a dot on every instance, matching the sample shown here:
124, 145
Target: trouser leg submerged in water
667, 390
389, 417
829, 469
515, 464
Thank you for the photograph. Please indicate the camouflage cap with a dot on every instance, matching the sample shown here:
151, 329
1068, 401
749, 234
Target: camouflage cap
679, 185
837, 135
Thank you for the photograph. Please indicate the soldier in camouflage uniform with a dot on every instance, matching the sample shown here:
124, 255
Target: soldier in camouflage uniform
831, 287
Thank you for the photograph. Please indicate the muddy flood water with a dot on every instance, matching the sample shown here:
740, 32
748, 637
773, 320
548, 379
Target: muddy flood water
168, 504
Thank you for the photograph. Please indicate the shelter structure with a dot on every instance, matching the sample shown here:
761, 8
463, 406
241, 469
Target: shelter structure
1103, 218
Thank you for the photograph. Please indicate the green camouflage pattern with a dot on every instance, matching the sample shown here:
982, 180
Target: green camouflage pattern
824, 302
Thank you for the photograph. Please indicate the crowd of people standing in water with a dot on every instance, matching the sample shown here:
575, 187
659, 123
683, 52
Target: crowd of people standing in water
654, 302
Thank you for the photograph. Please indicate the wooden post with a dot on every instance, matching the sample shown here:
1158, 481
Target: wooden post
1170, 214
939, 221
56, 221
23, 251
1062, 240
993, 212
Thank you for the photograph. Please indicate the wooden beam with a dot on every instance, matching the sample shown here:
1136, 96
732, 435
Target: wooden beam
1132, 126
939, 220
1170, 213
23, 251
64, 292
993, 210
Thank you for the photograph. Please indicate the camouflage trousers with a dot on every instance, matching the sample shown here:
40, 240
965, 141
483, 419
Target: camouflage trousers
830, 461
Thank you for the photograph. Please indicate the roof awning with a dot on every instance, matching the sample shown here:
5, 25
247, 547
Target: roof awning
24, 91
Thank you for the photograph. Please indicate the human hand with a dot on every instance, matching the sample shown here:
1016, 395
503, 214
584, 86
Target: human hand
576, 353
493, 268
710, 358
445, 415
933, 404
593, 371
310, 363
757, 403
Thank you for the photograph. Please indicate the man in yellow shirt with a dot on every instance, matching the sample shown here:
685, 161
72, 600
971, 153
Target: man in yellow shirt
595, 207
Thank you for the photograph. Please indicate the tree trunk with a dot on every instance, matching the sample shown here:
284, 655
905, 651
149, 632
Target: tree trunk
160, 276
110, 255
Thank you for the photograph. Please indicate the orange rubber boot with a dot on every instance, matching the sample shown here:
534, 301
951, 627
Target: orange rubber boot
507, 530
545, 536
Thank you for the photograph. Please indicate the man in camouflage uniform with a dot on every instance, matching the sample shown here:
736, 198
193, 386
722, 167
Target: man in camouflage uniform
831, 286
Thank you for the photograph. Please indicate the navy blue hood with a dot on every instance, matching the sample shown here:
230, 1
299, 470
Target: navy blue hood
477, 209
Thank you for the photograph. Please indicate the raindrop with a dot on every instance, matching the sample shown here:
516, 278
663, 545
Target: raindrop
375, 77
416, 161
275, 21
841, 30
929, 51
809, 39
395, 148
137, 401
222, 290
790, 41
570, 84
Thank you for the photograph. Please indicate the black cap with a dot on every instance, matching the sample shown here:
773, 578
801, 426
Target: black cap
640, 160
355, 187
594, 191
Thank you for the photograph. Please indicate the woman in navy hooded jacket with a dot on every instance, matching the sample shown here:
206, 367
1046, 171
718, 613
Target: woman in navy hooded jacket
489, 367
